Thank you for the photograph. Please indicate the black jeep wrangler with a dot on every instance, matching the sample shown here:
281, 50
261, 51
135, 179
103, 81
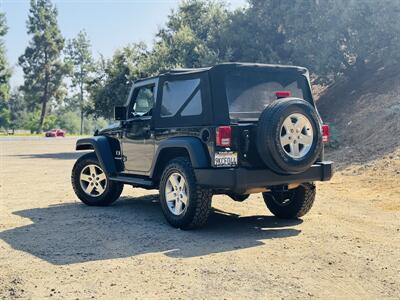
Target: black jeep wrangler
231, 129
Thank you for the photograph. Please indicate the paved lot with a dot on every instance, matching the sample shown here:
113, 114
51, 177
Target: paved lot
51, 245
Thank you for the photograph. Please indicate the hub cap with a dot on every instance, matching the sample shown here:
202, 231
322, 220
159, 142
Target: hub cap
176, 194
296, 135
93, 180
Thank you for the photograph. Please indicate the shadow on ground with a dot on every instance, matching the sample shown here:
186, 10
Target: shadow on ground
59, 155
74, 233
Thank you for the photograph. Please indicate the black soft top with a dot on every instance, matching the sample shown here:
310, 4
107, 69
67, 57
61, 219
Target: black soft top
213, 90
225, 67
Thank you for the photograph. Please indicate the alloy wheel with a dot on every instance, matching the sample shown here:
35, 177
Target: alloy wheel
296, 135
177, 194
93, 180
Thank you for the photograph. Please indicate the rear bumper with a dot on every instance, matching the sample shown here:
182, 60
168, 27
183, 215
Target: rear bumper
242, 181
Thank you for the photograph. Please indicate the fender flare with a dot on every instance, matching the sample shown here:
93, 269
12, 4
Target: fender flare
102, 148
197, 154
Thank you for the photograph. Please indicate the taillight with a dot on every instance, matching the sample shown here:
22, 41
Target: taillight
283, 94
325, 133
224, 136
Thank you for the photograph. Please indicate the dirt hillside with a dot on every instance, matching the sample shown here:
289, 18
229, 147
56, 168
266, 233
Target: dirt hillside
364, 114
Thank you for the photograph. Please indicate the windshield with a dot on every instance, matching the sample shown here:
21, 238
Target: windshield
250, 91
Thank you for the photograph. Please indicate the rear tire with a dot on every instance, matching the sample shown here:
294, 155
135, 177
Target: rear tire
194, 210
110, 190
292, 204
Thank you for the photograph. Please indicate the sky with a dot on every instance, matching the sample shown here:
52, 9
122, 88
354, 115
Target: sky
109, 24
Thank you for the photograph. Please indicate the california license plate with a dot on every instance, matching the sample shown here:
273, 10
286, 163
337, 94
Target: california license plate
225, 159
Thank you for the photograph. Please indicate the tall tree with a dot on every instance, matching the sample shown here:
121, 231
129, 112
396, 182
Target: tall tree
5, 72
194, 36
79, 59
5, 75
41, 64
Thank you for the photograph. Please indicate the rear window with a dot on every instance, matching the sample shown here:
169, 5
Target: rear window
250, 91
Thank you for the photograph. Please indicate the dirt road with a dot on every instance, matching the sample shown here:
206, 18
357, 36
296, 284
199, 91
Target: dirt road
51, 245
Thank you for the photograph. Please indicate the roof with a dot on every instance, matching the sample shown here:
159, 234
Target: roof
229, 65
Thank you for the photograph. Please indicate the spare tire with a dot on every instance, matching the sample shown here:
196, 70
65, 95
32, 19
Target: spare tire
289, 138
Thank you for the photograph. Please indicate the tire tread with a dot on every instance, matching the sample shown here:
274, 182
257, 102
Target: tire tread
202, 197
110, 195
302, 201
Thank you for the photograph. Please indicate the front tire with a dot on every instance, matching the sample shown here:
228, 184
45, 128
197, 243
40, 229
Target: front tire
291, 204
184, 203
91, 184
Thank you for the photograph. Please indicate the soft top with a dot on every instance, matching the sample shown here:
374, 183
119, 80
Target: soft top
229, 66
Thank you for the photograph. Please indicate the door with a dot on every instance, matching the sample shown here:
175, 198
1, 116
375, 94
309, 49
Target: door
138, 137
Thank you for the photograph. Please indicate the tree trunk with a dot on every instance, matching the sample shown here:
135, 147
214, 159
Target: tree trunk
43, 113
81, 96
81, 121
45, 97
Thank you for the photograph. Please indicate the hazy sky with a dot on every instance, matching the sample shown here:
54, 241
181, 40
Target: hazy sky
109, 24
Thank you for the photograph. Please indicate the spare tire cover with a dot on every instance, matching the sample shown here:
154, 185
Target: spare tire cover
289, 138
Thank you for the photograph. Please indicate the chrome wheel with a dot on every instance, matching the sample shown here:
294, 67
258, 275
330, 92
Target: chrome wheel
93, 180
296, 135
177, 194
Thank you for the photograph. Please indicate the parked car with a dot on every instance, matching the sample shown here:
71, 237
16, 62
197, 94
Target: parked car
55, 133
233, 129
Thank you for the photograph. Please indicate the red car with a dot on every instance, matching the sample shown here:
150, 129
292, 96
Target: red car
55, 133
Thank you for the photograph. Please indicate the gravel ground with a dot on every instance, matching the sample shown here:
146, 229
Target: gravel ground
51, 245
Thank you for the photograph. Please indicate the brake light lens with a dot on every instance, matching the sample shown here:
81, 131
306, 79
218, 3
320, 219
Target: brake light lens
283, 94
325, 133
224, 136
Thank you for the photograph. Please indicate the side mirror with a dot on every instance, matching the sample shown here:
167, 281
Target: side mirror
120, 113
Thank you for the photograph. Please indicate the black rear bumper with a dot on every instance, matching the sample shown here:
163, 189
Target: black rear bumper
241, 180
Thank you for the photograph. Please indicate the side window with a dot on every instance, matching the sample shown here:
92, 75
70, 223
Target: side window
182, 98
143, 102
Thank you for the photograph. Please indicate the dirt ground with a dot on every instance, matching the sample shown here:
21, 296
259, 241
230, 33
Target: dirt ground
52, 246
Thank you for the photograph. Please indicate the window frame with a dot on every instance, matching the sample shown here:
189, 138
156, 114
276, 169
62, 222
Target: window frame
134, 93
177, 120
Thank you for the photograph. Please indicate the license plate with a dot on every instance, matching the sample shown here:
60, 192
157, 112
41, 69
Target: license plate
225, 159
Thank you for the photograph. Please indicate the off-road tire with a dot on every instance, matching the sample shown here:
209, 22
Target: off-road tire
301, 201
268, 136
112, 191
199, 203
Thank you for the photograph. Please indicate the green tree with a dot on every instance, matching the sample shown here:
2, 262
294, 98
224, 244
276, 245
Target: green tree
114, 77
194, 36
70, 121
41, 63
16, 105
80, 60
4, 115
5, 75
5, 72
331, 37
